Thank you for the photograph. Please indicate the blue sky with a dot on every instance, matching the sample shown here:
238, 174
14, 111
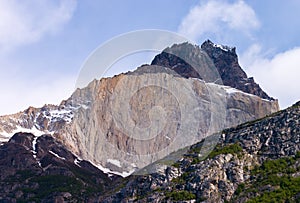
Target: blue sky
43, 44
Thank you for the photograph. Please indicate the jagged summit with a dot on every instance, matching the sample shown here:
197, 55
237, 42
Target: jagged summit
223, 58
221, 47
183, 58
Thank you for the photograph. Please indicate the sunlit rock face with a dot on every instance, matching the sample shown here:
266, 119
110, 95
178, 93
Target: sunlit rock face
137, 119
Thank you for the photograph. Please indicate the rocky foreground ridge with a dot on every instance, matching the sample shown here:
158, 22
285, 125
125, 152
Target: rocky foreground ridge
258, 161
107, 122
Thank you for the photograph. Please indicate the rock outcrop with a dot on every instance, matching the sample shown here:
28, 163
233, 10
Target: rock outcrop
42, 169
223, 58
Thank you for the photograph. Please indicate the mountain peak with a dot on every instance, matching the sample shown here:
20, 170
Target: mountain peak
225, 48
192, 61
124, 123
100, 111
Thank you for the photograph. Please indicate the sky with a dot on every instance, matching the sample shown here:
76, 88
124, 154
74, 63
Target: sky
44, 44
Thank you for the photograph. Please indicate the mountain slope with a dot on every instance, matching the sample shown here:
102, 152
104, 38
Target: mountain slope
255, 161
90, 125
258, 161
126, 122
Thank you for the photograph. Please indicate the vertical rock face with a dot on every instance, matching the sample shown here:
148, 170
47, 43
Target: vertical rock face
156, 114
133, 119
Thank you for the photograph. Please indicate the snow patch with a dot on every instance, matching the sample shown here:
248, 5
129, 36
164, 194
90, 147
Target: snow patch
266, 100
66, 115
4, 139
77, 162
268, 140
224, 48
53, 153
33, 130
34, 141
84, 106
109, 172
114, 162
231, 90
34, 147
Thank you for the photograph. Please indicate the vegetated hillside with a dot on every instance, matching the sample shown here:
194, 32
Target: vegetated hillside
258, 161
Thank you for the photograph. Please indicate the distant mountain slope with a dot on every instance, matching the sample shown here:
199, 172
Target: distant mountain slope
258, 161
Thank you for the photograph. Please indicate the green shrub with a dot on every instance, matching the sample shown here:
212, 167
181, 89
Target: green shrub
276, 174
240, 188
281, 165
176, 165
180, 195
228, 149
181, 179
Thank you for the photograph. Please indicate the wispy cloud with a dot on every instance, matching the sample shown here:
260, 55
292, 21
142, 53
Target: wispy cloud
17, 95
279, 75
23, 22
215, 16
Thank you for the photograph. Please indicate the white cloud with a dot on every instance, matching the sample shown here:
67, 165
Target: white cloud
20, 93
278, 76
23, 22
214, 16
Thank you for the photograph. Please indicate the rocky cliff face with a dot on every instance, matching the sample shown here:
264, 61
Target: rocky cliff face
174, 113
257, 161
124, 123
